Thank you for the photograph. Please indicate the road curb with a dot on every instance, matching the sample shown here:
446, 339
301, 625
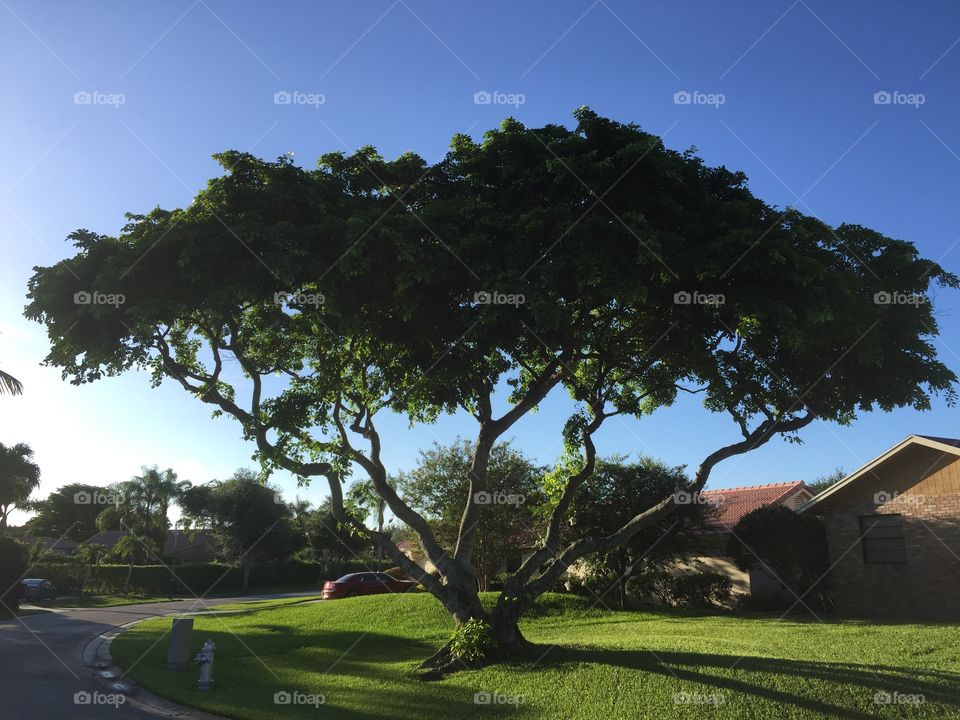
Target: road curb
97, 659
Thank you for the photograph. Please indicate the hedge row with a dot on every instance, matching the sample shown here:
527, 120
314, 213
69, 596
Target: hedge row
197, 578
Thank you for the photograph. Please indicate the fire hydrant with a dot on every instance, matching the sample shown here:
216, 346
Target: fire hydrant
205, 658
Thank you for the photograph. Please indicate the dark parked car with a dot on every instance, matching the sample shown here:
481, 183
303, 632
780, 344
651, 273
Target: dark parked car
38, 589
364, 583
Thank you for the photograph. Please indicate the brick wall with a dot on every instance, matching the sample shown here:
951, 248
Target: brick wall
927, 586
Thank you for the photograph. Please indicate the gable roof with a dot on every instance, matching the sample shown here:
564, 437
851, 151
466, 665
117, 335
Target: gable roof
51, 543
944, 445
731, 504
179, 541
107, 538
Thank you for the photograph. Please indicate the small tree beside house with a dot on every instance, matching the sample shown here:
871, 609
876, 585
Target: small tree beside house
790, 549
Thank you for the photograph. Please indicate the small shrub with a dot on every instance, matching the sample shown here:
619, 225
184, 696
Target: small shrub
652, 587
701, 589
592, 583
471, 641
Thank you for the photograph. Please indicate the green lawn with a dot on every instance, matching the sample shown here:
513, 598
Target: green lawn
257, 605
359, 654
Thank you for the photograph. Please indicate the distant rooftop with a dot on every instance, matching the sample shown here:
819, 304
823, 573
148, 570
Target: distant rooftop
733, 503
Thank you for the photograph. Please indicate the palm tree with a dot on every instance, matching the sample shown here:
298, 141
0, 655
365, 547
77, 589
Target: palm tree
122, 514
364, 496
19, 476
9, 385
141, 512
153, 493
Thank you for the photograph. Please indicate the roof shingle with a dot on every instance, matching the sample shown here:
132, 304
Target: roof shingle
731, 504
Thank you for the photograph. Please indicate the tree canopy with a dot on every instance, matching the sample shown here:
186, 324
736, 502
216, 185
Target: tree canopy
249, 519
327, 538
63, 513
139, 508
617, 492
305, 303
514, 499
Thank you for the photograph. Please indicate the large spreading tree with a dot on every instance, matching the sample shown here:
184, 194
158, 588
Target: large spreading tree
593, 261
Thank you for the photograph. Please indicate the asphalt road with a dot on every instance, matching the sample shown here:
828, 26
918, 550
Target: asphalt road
42, 670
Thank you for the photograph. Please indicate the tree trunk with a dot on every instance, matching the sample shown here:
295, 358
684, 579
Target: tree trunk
248, 566
505, 627
126, 583
504, 630
379, 546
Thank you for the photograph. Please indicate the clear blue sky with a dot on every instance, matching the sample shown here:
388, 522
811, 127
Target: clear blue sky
798, 116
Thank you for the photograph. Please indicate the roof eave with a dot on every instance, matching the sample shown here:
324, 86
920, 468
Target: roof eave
879, 460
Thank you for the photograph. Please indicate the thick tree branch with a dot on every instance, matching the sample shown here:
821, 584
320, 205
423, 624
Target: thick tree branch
651, 516
378, 476
490, 430
552, 537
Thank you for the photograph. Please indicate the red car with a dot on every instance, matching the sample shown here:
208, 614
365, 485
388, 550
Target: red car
364, 583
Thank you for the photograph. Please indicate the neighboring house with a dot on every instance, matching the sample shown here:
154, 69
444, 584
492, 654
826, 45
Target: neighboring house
893, 533
197, 546
56, 546
105, 538
180, 546
728, 507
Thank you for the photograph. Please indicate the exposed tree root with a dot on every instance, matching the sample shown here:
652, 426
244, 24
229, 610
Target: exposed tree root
443, 663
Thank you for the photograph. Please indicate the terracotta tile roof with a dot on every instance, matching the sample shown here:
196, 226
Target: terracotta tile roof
731, 504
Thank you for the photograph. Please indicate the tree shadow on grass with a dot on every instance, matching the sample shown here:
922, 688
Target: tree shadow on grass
370, 676
755, 676
362, 676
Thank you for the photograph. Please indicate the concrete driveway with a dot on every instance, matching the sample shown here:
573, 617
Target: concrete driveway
43, 674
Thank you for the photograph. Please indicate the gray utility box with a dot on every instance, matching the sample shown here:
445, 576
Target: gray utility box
180, 637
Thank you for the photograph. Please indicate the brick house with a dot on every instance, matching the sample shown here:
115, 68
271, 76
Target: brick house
893, 533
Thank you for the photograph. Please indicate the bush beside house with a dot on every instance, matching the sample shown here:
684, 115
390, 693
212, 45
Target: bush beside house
790, 549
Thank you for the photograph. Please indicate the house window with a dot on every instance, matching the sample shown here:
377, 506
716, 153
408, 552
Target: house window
882, 539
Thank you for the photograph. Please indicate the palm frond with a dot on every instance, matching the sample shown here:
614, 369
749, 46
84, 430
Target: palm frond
9, 385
